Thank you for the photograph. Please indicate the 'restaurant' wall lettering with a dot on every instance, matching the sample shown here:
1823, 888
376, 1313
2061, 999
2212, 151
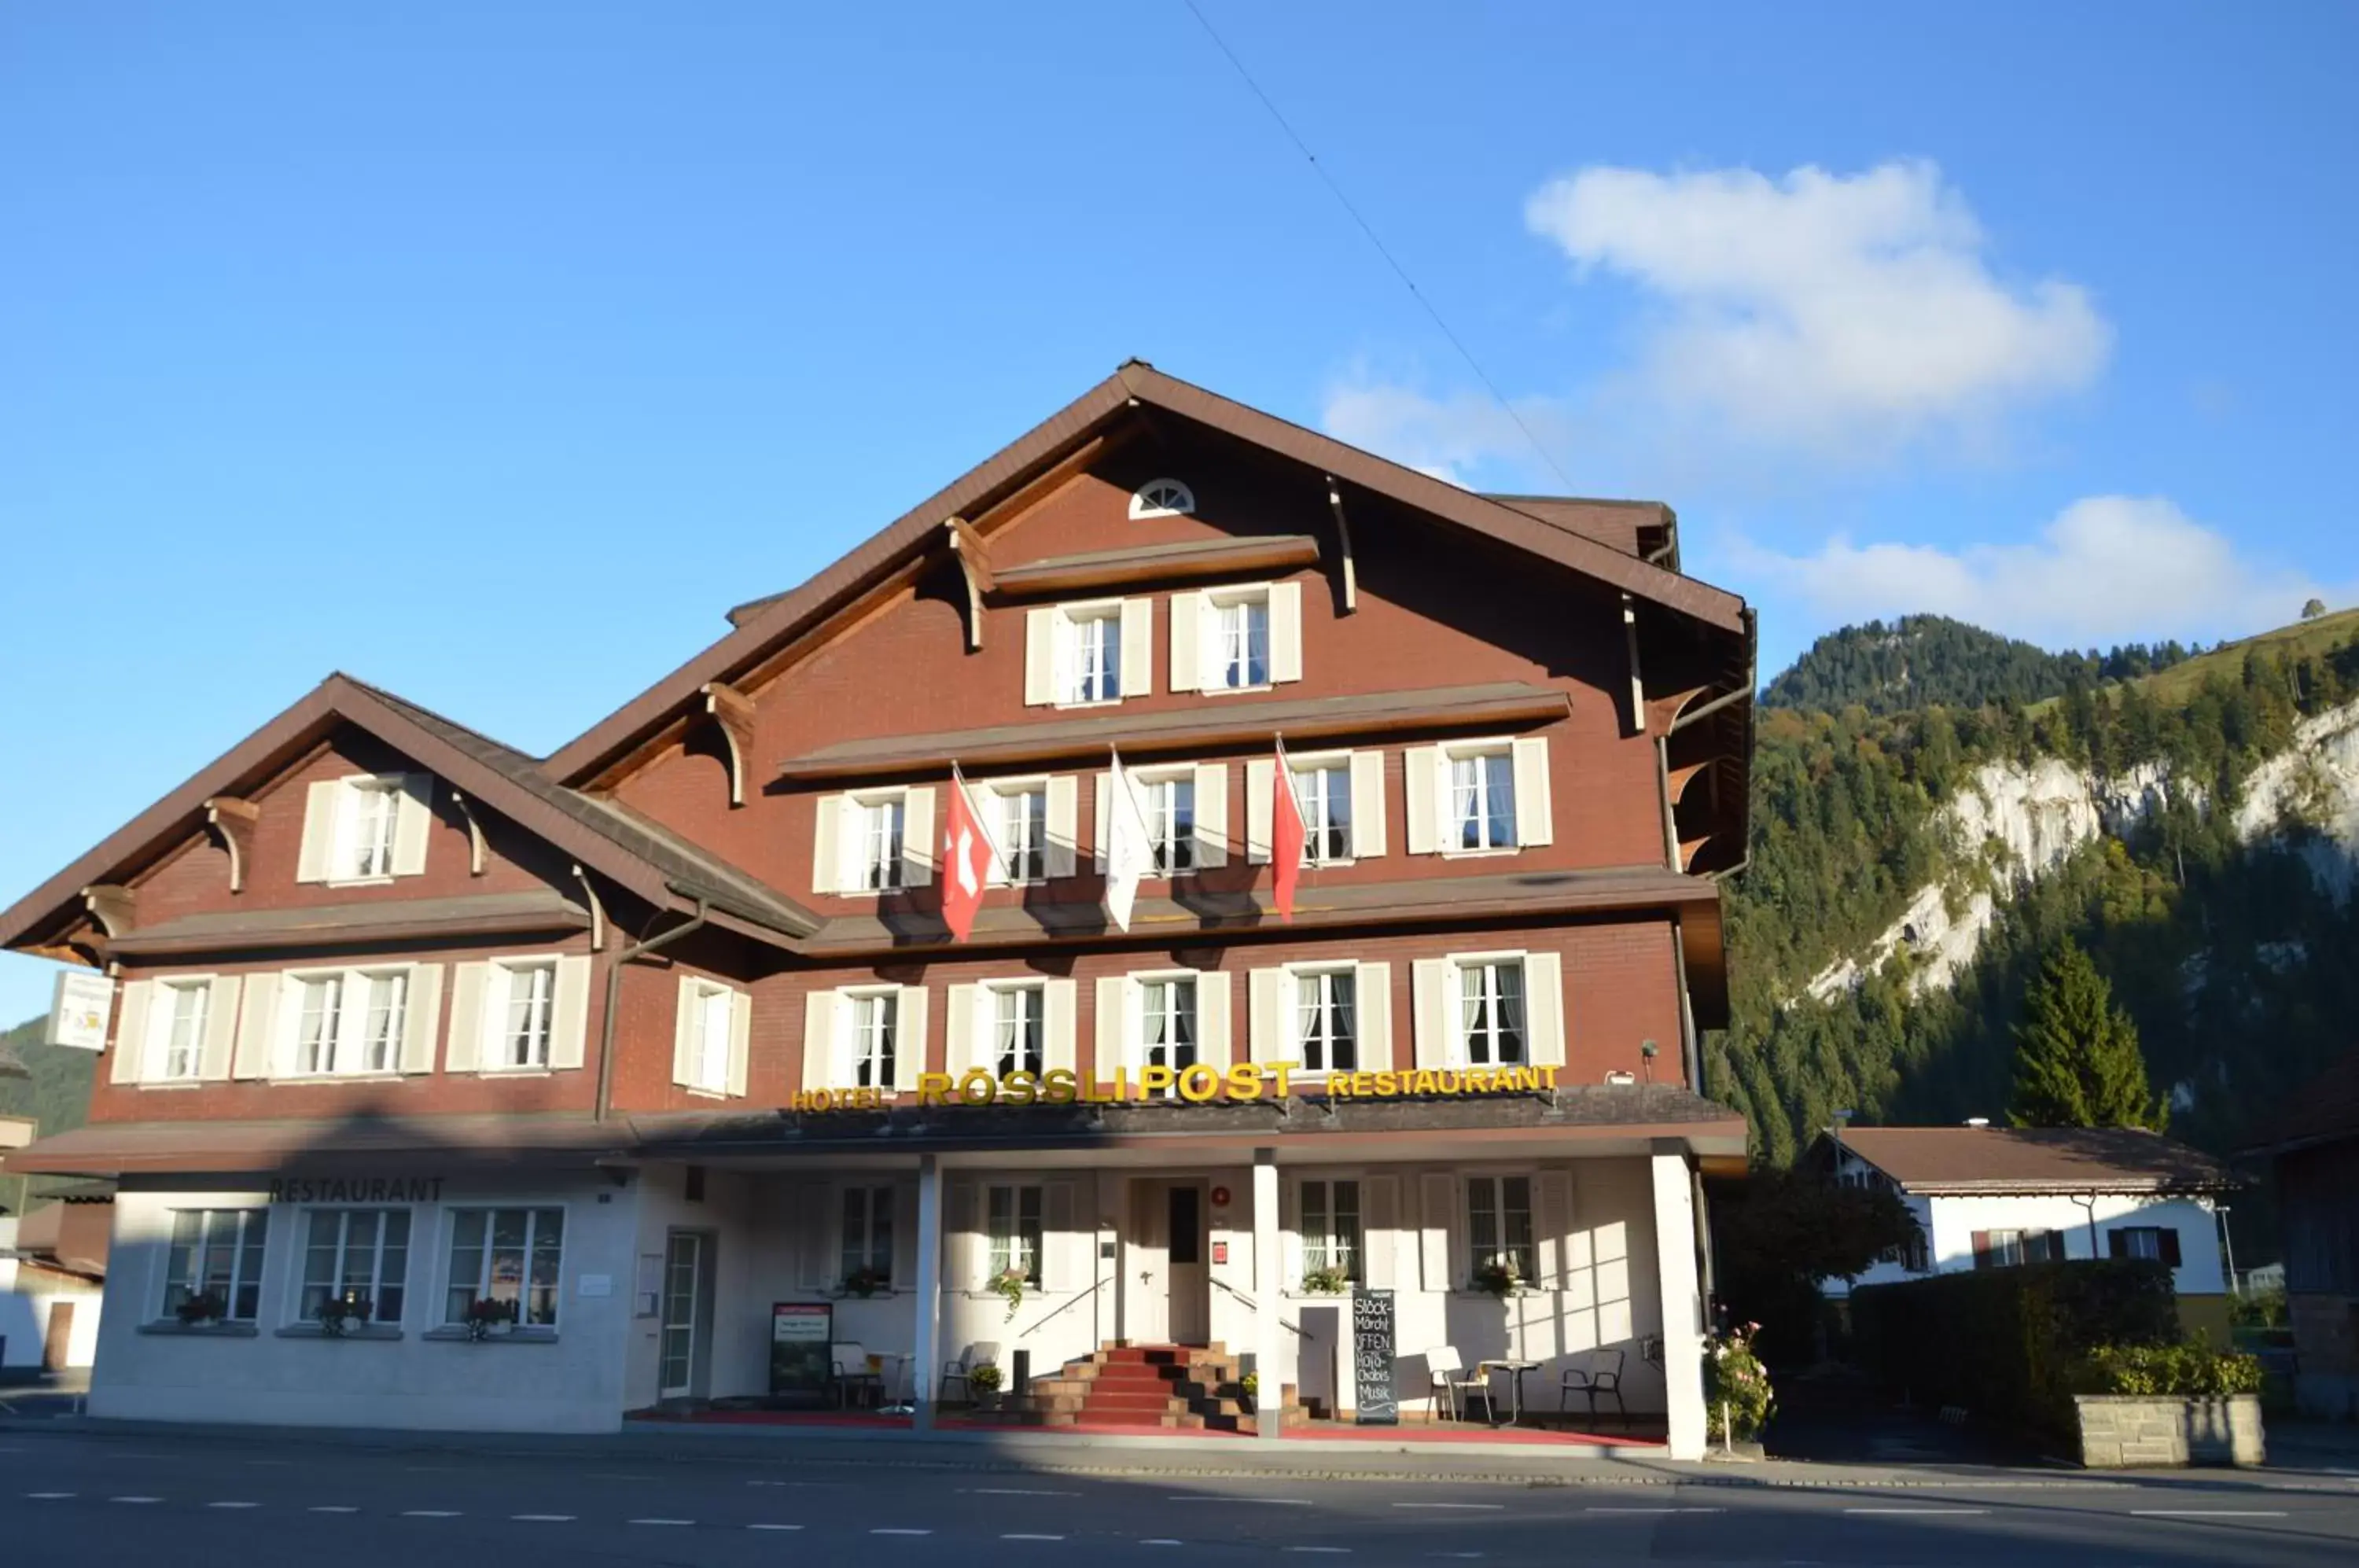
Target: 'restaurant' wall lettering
355, 1189
1199, 1084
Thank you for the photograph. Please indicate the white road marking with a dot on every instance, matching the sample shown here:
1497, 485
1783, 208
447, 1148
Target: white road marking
333, 1508
1281, 1502
1482, 1507
1014, 1492
232, 1505
774, 1527
1331, 1550
430, 1513
39, 1496
2207, 1513
1913, 1510
1457, 1556
672, 1521
1607, 1511
543, 1519
900, 1532
135, 1499
1159, 1541
612, 1475
1031, 1538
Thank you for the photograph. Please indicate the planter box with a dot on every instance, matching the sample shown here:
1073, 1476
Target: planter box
2120, 1431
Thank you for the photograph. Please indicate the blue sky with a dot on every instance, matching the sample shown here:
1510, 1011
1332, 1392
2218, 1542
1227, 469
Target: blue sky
490, 351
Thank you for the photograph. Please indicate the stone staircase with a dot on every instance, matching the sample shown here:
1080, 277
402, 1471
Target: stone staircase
1180, 1385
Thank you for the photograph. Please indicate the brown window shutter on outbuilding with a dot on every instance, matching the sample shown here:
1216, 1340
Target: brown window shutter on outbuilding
2170, 1235
2117, 1244
1982, 1249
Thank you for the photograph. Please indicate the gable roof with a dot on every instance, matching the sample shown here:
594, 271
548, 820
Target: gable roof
763, 624
1957, 1160
648, 861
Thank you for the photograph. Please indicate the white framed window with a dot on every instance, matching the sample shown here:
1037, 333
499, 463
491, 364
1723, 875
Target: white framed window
527, 1003
366, 828
1326, 1019
1012, 1221
1493, 1029
318, 1005
177, 1022
217, 1252
1168, 1031
1479, 796
1499, 1223
873, 840
1089, 660
361, 1255
875, 1025
711, 1019
1246, 636
1322, 789
1087, 654
1238, 650
1330, 1213
383, 1005
1167, 798
505, 1255
346, 1023
1162, 499
1482, 799
1019, 1027
866, 1236
1021, 827
876, 825
364, 835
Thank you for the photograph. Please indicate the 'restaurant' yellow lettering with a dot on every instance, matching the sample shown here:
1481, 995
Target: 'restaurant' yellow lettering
1197, 1085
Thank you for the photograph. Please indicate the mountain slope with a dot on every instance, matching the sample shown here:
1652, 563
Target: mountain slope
1920, 661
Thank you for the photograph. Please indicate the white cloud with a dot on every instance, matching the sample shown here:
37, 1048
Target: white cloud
2109, 569
1850, 314
1444, 437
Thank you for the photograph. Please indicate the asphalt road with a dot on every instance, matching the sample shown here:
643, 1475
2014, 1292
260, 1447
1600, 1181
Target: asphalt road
70, 1499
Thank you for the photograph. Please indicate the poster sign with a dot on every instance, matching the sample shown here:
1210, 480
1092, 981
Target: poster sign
801, 1333
79, 1008
1372, 1358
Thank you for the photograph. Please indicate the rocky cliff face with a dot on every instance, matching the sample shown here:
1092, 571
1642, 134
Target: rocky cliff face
2015, 824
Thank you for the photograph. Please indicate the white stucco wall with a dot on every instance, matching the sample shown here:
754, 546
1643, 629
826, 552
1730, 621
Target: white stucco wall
1949, 1223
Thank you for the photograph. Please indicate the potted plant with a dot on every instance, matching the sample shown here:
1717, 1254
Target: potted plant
984, 1380
1248, 1391
1498, 1275
1010, 1284
1326, 1281
484, 1314
865, 1282
338, 1314
201, 1308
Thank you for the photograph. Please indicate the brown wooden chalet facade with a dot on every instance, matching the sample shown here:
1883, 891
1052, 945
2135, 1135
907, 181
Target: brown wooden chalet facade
406, 1016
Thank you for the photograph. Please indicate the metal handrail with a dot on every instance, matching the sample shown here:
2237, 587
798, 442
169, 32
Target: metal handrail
1067, 1307
1298, 1329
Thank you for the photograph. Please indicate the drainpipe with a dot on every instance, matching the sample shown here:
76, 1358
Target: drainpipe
615, 997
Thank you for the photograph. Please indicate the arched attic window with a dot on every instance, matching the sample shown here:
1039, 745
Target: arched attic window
1162, 499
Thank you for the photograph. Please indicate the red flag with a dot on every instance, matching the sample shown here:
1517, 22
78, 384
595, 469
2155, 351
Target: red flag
1286, 835
967, 852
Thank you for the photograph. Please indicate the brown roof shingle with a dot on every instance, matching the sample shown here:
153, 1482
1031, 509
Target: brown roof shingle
1965, 1160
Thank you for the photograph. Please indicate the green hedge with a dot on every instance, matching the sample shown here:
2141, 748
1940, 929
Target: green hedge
2192, 1369
2007, 1343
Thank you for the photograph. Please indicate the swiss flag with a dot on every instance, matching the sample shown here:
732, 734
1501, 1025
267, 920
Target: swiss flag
1286, 835
967, 852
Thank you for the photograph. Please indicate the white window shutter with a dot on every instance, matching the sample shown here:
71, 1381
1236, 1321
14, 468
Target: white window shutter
684, 1014
1261, 807
569, 1014
918, 848
1437, 1202
1436, 1021
1041, 688
1535, 817
1212, 815
131, 1032
464, 1051
257, 1012
1285, 632
1187, 626
1064, 824
1421, 771
904, 1236
316, 860
909, 1045
1290, 1234
1551, 1218
741, 1039
852, 846
1113, 1009
1212, 1020
1379, 1229
967, 1255
819, 1040
1368, 839
1138, 648
1544, 999
220, 1028
1057, 1274
1057, 1026
421, 1017
1372, 990
960, 1025
826, 860
1101, 814
413, 823
1268, 1007
817, 1210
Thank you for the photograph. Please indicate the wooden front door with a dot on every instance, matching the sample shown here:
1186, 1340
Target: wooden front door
1189, 1272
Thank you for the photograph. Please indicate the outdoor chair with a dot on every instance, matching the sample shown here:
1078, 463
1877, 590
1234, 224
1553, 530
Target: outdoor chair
851, 1376
982, 1353
1593, 1373
1447, 1374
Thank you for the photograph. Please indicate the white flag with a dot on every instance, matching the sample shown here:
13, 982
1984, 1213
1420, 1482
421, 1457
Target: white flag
1129, 853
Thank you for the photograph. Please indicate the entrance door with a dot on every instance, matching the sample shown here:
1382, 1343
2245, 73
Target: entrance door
683, 1279
1190, 1273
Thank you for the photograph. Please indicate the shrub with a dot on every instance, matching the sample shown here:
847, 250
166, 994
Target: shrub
1735, 1386
983, 1378
2188, 1370
1328, 1281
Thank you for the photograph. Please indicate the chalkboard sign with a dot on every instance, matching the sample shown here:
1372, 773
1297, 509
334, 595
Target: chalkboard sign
799, 1336
1372, 1358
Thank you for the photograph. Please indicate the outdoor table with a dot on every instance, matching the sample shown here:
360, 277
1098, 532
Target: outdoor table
1515, 1368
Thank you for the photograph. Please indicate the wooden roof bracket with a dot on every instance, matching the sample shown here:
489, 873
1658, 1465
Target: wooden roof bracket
478, 857
1346, 566
233, 819
110, 905
733, 711
975, 565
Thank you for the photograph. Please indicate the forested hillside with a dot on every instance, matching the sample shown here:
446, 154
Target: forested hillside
57, 1095
2194, 831
1920, 660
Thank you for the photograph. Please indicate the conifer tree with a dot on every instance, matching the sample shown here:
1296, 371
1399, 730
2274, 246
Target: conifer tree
2077, 1061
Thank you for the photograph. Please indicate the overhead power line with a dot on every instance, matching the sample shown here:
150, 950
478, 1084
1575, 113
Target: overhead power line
1391, 260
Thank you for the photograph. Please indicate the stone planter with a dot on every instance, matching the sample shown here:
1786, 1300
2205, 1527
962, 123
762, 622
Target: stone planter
2121, 1431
